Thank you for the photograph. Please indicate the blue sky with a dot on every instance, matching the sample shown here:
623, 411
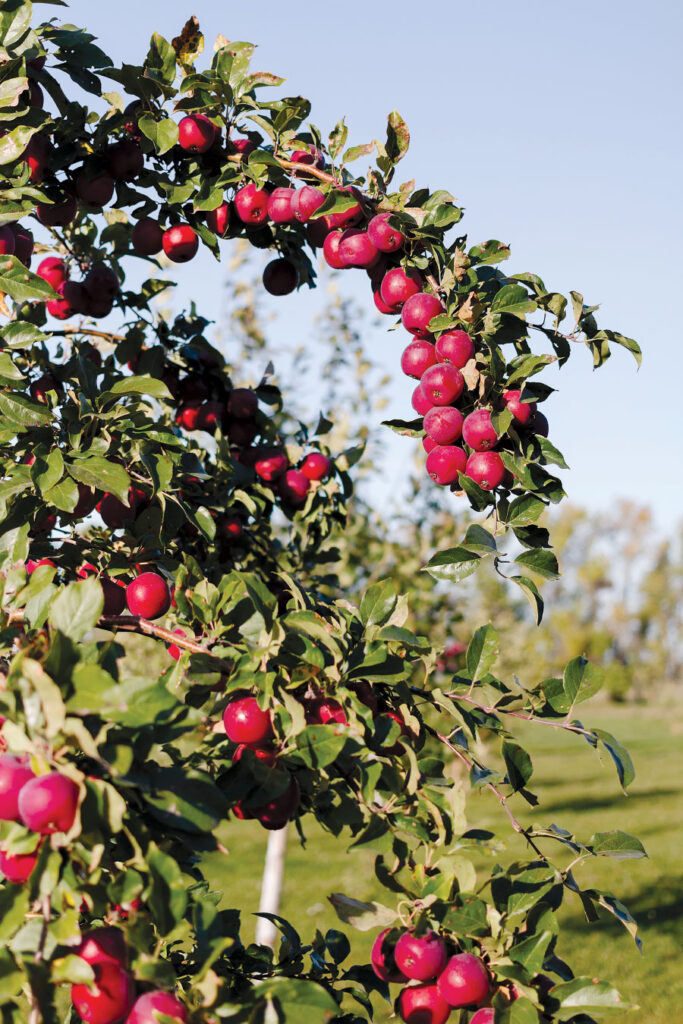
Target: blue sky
557, 126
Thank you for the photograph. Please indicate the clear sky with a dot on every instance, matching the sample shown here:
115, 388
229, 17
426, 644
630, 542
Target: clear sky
557, 126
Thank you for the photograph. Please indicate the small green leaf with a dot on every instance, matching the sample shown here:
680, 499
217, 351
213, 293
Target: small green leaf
482, 652
362, 916
617, 844
514, 300
78, 608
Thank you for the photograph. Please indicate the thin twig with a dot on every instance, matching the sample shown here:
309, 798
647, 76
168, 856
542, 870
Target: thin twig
68, 331
519, 714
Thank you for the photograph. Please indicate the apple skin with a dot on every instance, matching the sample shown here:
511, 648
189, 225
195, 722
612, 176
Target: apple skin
23, 244
275, 814
420, 402
18, 867
316, 466
464, 980
356, 249
486, 1015
144, 1007
455, 347
148, 595
48, 803
251, 204
113, 511
58, 215
196, 133
442, 383
114, 596
101, 282
103, 945
270, 464
306, 201
242, 403
478, 431
267, 756
243, 146
324, 711
383, 236
125, 160
37, 155
53, 270
280, 206
280, 277
383, 962
417, 358
229, 528
420, 957
522, 412
444, 424
331, 250
180, 243
398, 286
147, 237
109, 999
293, 487
96, 191
486, 469
444, 462
422, 1004
418, 311
381, 305
245, 722
14, 774
218, 220
346, 218
8, 241
429, 444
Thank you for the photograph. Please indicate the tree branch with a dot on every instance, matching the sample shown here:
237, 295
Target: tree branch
520, 714
68, 331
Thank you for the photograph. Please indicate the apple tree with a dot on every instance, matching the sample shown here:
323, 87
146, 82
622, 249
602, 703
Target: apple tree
148, 488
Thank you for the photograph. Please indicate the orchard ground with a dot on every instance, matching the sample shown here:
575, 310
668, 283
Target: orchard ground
572, 791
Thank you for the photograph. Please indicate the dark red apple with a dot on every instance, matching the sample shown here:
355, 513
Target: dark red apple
147, 237
196, 133
23, 244
522, 412
58, 214
280, 277
251, 204
280, 206
276, 813
382, 958
242, 403
306, 201
356, 249
270, 464
293, 487
180, 243
53, 270
125, 160
420, 957
325, 710
94, 188
398, 286
218, 220
422, 1004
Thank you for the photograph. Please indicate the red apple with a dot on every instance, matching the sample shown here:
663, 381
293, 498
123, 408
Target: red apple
421, 404
417, 358
464, 980
147, 237
245, 722
293, 487
196, 133
243, 146
229, 528
173, 649
94, 188
487, 1015
382, 959
422, 1004
23, 244
180, 243
113, 511
48, 803
478, 430
418, 311
445, 462
267, 756
486, 469
270, 464
101, 283
280, 277
108, 999
17, 867
218, 220
280, 206
242, 403
420, 957
429, 444
346, 218
383, 236
148, 595
444, 424
381, 304
125, 160
316, 466
37, 155
306, 201
442, 383
356, 249
324, 710
399, 285
53, 270
331, 250
59, 214
105, 945
14, 774
114, 596
146, 1008
276, 813
522, 412
455, 347
251, 204
7, 241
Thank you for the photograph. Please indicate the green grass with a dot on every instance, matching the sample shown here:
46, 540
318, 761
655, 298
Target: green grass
576, 791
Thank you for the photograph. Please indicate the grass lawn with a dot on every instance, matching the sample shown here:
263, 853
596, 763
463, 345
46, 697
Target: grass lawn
576, 791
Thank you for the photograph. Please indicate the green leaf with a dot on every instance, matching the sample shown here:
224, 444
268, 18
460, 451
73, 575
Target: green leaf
482, 652
168, 890
15, 142
378, 603
453, 564
162, 134
22, 334
582, 679
530, 953
362, 916
354, 152
525, 510
19, 412
78, 608
47, 470
97, 472
518, 764
138, 386
480, 539
513, 299
620, 339
64, 495
617, 844
20, 283
543, 563
619, 754
551, 454
530, 591
584, 995
320, 745
308, 1002
521, 1011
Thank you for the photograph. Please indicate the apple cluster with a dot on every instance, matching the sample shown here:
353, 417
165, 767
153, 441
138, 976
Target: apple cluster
435, 982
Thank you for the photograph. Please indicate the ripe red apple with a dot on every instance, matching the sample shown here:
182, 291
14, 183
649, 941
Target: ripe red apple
17, 867
381, 304
268, 757
7, 241
23, 244
210, 416
218, 220
442, 383
444, 462
444, 424
229, 528
331, 250
311, 156
464, 980
522, 412
422, 1004
188, 415
398, 286
242, 403
53, 270
316, 466
148, 595
306, 201
486, 469
61, 308
455, 347
539, 424
421, 404
87, 499
196, 133
324, 710
346, 218
180, 243
316, 233
101, 283
113, 511
418, 310
417, 358
280, 277
245, 722
35, 95
276, 813
114, 596
94, 188
243, 146
420, 957
58, 215
108, 999
173, 649
270, 464
48, 803
356, 249
382, 959
31, 567
37, 155
487, 1015
146, 1008
383, 236
478, 430
429, 444
242, 432
280, 206
251, 204
105, 945
39, 388
293, 487
15, 772
125, 160
147, 237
